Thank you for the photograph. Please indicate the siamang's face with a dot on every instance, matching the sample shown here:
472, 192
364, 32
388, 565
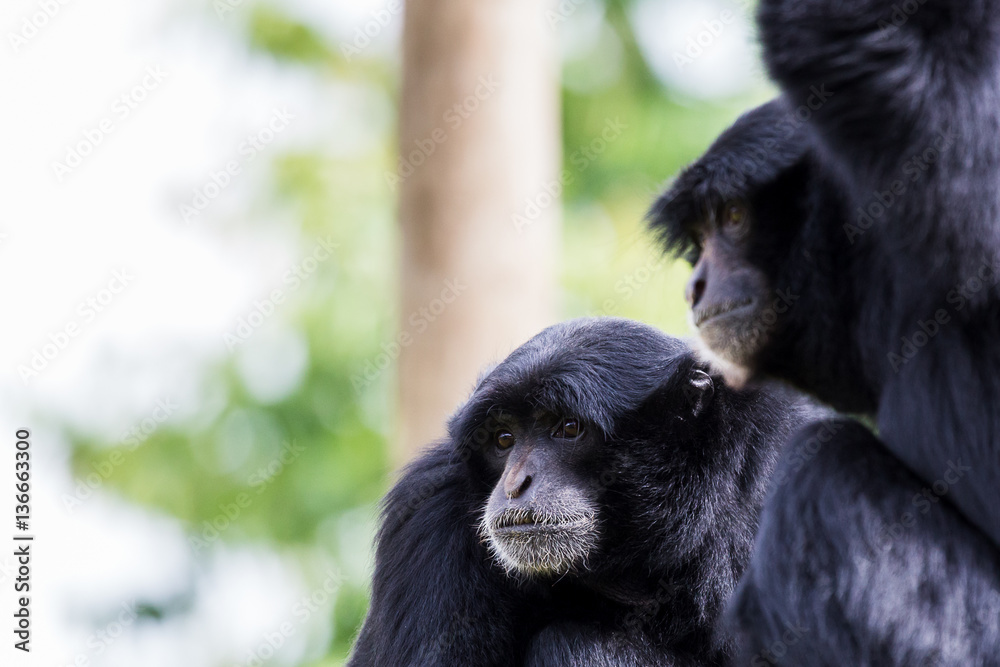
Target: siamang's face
542, 516
728, 295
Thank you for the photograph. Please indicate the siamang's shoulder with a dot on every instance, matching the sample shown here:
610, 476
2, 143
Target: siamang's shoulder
771, 405
430, 488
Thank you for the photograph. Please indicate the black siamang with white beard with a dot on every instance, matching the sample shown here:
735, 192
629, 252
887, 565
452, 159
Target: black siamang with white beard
895, 266
859, 561
594, 504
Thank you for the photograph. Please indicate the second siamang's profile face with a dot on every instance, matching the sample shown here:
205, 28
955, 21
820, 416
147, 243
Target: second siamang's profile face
740, 214
542, 516
727, 294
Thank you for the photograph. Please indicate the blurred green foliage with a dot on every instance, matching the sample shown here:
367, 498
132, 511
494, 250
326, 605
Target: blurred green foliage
322, 500
272, 31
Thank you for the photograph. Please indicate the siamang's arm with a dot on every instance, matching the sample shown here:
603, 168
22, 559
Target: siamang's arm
883, 80
858, 562
437, 599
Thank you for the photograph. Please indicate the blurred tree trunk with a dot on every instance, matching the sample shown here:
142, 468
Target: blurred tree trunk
479, 207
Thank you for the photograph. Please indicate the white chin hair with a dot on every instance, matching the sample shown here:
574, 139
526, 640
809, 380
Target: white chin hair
736, 376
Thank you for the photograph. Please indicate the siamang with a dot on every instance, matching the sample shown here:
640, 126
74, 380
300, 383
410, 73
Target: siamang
594, 504
858, 561
910, 122
896, 309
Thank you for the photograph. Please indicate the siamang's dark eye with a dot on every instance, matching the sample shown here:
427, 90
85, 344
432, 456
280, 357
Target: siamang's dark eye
505, 440
568, 429
735, 217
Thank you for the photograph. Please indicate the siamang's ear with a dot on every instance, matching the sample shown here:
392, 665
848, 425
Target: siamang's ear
699, 390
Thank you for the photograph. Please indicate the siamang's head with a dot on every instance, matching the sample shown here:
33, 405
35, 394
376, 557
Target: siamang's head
744, 215
540, 426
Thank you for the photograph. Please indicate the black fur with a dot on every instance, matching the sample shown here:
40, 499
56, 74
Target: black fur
681, 483
912, 118
857, 561
860, 563
892, 252
890, 249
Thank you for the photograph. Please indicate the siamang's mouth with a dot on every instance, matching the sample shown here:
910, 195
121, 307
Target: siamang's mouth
514, 519
539, 542
702, 315
528, 521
